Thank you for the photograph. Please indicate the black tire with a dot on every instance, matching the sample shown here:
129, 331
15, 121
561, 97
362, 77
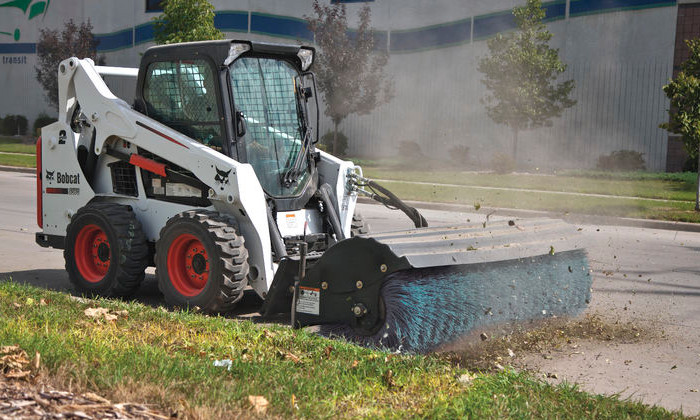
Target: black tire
106, 251
201, 261
358, 225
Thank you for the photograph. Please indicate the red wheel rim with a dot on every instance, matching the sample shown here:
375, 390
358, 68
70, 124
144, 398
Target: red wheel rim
92, 253
188, 265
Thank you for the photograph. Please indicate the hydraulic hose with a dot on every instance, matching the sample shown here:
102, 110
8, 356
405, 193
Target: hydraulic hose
327, 196
275, 236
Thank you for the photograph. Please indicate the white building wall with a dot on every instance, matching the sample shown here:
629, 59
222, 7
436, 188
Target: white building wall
620, 60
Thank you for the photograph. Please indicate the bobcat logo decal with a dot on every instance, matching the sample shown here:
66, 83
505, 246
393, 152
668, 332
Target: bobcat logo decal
49, 175
221, 176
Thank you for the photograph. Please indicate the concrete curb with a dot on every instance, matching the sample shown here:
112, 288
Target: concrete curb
17, 169
586, 219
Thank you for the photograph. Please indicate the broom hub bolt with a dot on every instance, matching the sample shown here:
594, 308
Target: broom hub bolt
359, 310
324, 285
383, 268
359, 284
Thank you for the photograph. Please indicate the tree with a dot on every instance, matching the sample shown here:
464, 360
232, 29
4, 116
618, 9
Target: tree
521, 73
185, 21
350, 71
54, 47
684, 114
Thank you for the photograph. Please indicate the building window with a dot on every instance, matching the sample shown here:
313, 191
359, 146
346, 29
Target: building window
154, 5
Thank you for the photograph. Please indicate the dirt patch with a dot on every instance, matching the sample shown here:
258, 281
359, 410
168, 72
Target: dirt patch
491, 350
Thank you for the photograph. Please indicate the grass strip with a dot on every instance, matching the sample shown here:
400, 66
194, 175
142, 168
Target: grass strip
660, 186
602, 206
15, 145
155, 356
24, 161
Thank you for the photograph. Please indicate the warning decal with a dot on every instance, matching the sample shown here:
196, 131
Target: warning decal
308, 299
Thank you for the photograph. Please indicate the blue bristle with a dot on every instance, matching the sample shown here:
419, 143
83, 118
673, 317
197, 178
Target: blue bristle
429, 307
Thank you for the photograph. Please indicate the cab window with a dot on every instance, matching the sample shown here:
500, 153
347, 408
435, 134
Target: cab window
182, 95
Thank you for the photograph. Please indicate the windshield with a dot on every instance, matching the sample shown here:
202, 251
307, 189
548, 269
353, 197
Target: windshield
264, 90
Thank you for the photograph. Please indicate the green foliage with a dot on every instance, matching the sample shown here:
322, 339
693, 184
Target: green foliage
42, 121
54, 46
684, 93
13, 125
502, 163
186, 21
622, 160
350, 71
521, 73
326, 143
684, 112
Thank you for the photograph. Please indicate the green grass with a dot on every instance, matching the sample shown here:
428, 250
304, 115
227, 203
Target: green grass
661, 186
25, 161
602, 206
475, 187
165, 358
15, 145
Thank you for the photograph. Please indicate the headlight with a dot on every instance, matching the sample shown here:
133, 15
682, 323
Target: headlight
306, 56
234, 51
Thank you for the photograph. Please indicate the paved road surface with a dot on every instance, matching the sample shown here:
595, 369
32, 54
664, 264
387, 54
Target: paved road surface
651, 277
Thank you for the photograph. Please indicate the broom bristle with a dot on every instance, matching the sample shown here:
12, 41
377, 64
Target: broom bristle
429, 307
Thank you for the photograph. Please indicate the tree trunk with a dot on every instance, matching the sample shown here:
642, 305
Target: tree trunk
335, 139
697, 193
515, 145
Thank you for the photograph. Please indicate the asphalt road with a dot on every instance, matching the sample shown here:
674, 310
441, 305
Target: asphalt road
648, 276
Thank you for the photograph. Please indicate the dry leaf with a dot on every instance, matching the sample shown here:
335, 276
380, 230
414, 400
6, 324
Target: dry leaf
94, 397
9, 349
388, 357
328, 351
37, 361
14, 362
17, 374
97, 313
354, 364
465, 379
16, 305
42, 302
292, 357
259, 403
268, 334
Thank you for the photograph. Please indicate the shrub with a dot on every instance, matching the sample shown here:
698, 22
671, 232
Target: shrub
459, 155
326, 143
502, 163
42, 121
13, 125
622, 160
410, 151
